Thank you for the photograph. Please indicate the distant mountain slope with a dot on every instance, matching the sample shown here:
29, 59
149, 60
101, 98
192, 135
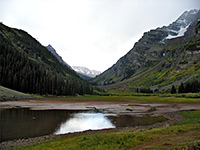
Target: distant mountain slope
85, 71
163, 57
27, 66
53, 51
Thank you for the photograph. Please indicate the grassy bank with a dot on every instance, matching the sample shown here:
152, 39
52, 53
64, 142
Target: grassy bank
8, 95
131, 98
130, 93
184, 135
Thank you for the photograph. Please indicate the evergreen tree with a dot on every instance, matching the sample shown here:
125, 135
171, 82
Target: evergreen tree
173, 90
181, 88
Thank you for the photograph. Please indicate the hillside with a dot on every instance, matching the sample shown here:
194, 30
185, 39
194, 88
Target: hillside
27, 66
8, 94
163, 57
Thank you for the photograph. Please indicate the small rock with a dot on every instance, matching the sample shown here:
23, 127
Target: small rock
129, 109
166, 144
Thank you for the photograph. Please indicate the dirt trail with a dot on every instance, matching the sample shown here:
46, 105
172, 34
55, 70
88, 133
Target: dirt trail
163, 140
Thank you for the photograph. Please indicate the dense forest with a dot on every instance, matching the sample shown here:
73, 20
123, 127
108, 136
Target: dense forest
27, 66
189, 87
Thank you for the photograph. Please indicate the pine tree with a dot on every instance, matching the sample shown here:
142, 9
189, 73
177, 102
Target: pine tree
181, 88
173, 90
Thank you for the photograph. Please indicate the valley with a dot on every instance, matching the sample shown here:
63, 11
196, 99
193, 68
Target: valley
149, 99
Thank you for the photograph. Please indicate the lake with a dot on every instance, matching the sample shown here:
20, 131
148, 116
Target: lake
19, 123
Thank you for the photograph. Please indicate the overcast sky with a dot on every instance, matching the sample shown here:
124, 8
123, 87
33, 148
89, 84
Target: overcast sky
91, 33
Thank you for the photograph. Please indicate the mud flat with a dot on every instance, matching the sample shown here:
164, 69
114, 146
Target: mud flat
117, 107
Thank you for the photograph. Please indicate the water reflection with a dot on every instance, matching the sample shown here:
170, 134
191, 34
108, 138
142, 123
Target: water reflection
132, 121
85, 121
24, 123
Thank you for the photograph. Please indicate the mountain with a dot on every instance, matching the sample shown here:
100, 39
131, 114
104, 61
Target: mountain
163, 57
29, 67
83, 72
180, 26
53, 51
86, 72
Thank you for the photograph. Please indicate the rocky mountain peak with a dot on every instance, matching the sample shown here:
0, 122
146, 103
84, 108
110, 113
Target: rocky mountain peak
51, 49
186, 17
179, 27
85, 71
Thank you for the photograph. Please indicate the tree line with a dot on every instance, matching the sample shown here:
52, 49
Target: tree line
190, 87
20, 72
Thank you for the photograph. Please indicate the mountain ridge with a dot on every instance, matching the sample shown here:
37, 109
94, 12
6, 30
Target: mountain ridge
150, 50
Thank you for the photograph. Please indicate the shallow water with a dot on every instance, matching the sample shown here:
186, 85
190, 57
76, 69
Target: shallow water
85, 121
24, 123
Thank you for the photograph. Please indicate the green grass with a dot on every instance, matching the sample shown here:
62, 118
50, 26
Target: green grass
119, 140
164, 99
8, 94
111, 140
188, 140
181, 142
193, 117
145, 98
87, 97
132, 93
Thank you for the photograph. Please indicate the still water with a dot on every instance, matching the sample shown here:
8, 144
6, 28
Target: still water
85, 121
24, 123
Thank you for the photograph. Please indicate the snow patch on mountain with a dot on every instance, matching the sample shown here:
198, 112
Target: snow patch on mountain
180, 33
180, 26
86, 71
